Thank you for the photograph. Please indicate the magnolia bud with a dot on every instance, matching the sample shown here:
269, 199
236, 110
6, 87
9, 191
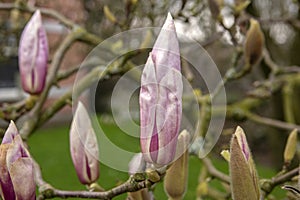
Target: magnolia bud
20, 168
244, 181
84, 146
161, 98
6, 185
33, 55
202, 189
254, 43
6, 190
143, 194
152, 175
291, 147
10, 133
16, 167
226, 155
175, 181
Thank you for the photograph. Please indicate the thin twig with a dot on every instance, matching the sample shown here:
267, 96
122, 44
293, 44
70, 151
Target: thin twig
271, 122
214, 172
84, 83
46, 11
268, 185
48, 192
285, 177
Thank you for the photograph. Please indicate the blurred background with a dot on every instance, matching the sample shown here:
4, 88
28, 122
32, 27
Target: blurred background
197, 20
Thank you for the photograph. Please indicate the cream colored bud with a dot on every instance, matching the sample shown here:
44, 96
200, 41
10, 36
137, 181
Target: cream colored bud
226, 155
254, 43
202, 189
244, 181
175, 181
152, 175
143, 194
291, 146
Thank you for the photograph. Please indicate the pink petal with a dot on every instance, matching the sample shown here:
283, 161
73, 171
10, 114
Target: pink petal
10, 133
84, 146
33, 55
160, 98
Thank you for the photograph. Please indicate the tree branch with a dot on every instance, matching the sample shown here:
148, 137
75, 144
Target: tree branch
86, 81
271, 122
48, 192
214, 172
268, 185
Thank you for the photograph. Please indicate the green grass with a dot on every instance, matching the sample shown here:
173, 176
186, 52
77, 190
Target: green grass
50, 147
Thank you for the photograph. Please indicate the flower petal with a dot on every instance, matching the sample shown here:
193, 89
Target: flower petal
10, 133
22, 176
84, 146
6, 185
33, 55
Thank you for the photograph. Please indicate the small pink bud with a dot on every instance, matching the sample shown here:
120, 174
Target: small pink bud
84, 146
33, 55
161, 98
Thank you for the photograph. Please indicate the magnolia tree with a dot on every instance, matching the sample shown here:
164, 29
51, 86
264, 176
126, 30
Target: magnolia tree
167, 131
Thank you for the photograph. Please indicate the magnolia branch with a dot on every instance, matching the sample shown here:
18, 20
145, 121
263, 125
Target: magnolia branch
128, 186
268, 185
214, 172
271, 122
48, 192
86, 81
86, 36
46, 11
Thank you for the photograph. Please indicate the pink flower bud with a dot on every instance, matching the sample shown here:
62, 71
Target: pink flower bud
16, 167
160, 98
20, 168
10, 133
5, 180
84, 147
33, 55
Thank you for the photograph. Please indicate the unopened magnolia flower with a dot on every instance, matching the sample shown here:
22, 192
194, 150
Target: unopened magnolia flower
244, 181
161, 98
175, 181
254, 43
84, 146
33, 55
16, 167
291, 147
